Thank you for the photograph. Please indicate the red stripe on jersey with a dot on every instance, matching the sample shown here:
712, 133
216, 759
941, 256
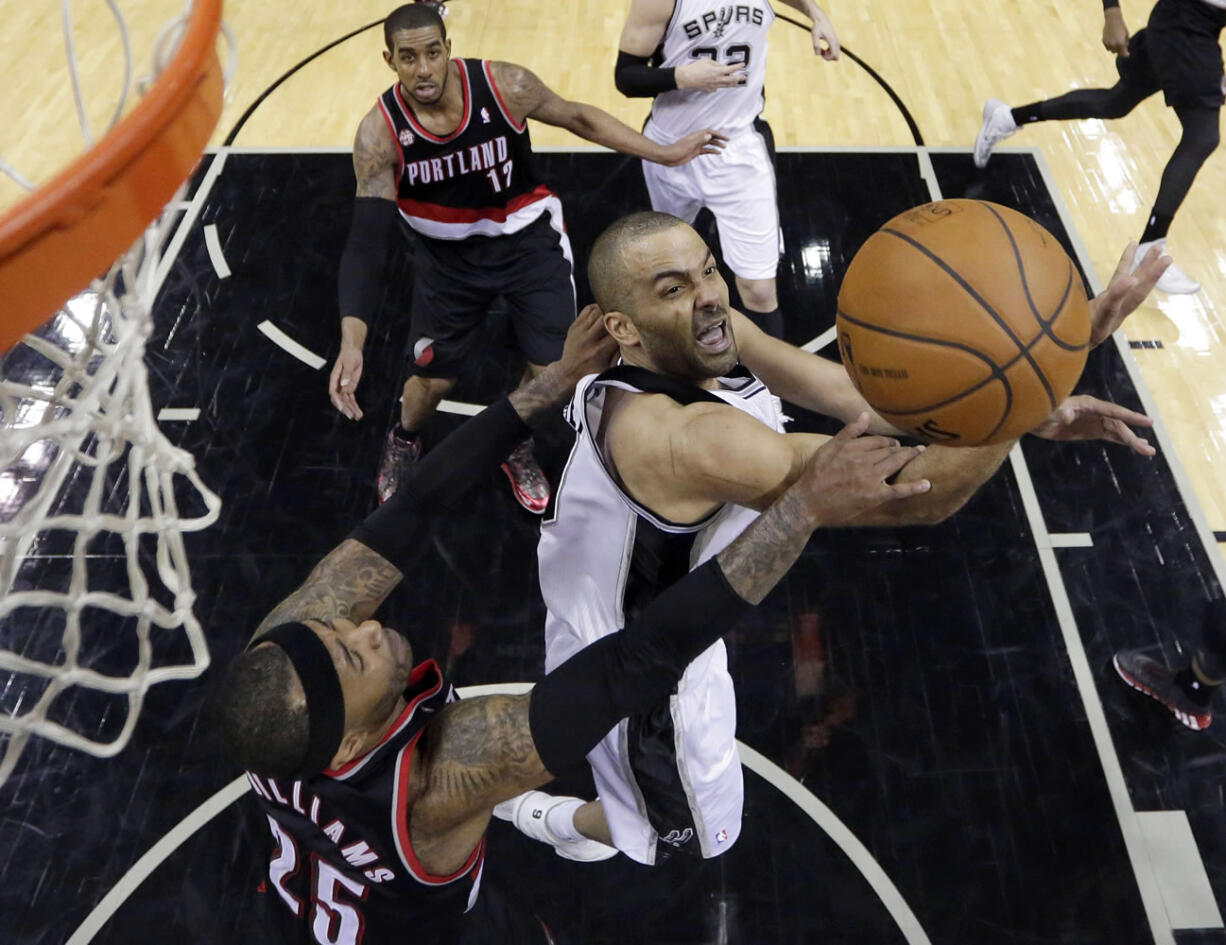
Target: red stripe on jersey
441, 214
401, 720
502, 106
400, 824
459, 129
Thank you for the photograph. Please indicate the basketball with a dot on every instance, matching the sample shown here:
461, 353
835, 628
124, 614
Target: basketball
963, 322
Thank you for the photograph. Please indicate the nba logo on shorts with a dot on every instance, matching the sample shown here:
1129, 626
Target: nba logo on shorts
406, 138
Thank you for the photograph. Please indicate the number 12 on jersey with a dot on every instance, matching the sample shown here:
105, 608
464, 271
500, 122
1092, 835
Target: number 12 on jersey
493, 174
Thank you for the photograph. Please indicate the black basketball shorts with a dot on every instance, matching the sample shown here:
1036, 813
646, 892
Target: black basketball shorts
1178, 52
456, 282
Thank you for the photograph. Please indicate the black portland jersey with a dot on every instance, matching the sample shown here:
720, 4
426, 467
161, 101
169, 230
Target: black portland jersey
478, 180
341, 861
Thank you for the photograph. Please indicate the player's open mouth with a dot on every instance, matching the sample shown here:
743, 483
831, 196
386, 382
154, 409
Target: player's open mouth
426, 88
716, 338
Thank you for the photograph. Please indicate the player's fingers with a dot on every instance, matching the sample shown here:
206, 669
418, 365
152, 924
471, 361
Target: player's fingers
895, 460
1124, 266
904, 490
853, 429
1109, 411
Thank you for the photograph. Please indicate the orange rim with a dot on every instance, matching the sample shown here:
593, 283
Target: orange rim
69, 231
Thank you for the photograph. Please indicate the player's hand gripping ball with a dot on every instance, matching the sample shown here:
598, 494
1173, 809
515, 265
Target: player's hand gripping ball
963, 322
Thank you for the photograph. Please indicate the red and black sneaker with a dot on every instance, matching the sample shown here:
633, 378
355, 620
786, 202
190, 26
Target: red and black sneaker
399, 454
1158, 682
528, 481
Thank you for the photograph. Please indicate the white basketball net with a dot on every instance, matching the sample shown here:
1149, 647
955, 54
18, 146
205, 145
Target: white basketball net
82, 458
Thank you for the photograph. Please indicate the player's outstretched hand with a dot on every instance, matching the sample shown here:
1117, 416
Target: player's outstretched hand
1127, 289
847, 475
588, 348
344, 381
825, 39
684, 150
1115, 32
707, 75
1088, 418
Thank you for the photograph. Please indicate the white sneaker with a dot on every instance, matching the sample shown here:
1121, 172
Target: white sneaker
1174, 281
527, 813
997, 125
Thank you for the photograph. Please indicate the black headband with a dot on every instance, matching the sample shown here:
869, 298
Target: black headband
312, 661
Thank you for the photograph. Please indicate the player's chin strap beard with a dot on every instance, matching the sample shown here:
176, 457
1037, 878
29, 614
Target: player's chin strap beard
325, 701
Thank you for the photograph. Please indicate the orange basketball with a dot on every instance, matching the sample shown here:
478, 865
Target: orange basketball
963, 322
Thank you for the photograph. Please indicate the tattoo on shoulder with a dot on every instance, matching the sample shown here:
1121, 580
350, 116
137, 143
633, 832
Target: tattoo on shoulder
522, 90
350, 582
375, 158
482, 749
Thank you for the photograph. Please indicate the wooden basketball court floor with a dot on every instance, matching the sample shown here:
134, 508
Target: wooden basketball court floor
937, 748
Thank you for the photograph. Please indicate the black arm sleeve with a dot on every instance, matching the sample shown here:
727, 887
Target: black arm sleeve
634, 78
441, 480
362, 261
633, 671
1108, 4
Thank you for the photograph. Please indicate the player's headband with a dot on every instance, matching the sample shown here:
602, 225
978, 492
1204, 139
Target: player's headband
325, 702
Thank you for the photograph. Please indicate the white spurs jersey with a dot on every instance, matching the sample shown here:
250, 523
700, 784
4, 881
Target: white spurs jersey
727, 33
603, 558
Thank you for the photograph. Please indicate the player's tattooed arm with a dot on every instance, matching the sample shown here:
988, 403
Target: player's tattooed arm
478, 752
350, 582
374, 157
588, 349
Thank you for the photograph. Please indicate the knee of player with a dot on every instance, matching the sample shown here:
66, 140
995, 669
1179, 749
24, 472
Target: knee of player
758, 294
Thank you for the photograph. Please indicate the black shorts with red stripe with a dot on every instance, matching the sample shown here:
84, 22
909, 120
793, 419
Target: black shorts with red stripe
456, 282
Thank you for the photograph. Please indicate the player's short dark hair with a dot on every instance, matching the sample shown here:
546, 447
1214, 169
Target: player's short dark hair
262, 728
606, 268
412, 16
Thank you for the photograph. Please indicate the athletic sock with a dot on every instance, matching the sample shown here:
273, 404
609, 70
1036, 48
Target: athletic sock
770, 322
560, 820
1025, 114
1157, 226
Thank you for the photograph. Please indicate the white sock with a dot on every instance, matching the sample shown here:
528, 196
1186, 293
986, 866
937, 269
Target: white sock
560, 820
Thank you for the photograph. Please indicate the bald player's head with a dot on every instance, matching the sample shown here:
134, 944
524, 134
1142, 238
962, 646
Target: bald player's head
611, 268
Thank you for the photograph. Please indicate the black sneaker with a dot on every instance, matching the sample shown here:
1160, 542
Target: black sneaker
1158, 682
398, 455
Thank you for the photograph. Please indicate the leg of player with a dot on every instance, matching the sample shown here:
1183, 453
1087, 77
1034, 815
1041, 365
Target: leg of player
1200, 139
761, 304
419, 399
528, 482
1187, 692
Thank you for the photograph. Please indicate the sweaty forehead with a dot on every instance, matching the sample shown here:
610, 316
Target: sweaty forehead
678, 248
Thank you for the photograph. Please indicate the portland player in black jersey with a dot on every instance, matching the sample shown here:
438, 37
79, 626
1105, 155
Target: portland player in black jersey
377, 785
1177, 53
448, 147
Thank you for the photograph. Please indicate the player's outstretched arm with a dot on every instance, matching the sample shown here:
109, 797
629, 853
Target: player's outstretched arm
528, 97
825, 40
355, 577
361, 268
482, 751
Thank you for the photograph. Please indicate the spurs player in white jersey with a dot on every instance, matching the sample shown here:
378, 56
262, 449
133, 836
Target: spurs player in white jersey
676, 451
704, 61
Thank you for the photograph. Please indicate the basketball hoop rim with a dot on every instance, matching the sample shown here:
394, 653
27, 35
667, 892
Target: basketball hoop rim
56, 240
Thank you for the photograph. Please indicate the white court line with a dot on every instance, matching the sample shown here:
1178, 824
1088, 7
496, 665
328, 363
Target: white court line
821, 340
456, 406
142, 868
290, 346
189, 219
179, 413
792, 789
1071, 540
213, 244
1216, 559
1134, 843
1182, 879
